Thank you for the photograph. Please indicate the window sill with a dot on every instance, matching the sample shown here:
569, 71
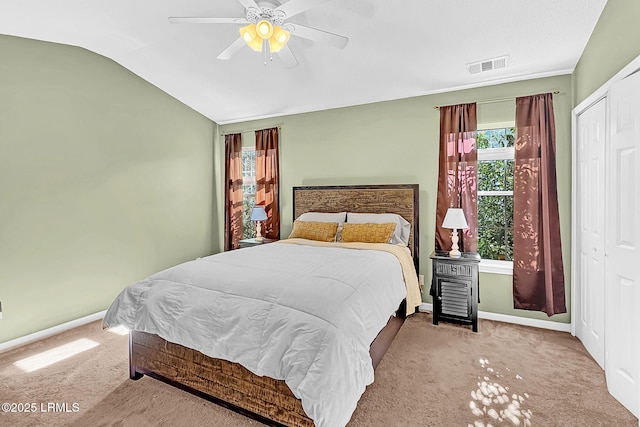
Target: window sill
496, 267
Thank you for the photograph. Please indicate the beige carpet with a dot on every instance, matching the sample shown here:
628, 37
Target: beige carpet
443, 375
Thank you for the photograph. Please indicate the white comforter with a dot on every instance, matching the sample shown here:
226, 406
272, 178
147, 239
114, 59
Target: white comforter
300, 313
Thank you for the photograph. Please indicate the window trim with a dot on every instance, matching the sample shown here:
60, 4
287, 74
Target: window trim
503, 153
495, 266
495, 193
496, 125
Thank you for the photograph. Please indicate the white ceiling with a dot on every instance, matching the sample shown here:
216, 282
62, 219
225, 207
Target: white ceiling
396, 49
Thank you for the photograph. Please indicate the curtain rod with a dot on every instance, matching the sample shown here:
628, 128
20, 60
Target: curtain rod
490, 101
252, 130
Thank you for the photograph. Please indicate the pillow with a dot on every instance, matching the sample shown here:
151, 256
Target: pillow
368, 233
314, 230
403, 227
338, 217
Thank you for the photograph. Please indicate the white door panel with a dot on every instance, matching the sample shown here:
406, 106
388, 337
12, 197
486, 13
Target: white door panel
622, 296
591, 136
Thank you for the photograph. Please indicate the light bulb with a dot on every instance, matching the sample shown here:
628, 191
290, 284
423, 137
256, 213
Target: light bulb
265, 29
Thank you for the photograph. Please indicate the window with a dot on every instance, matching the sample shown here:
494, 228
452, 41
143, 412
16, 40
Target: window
495, 193
248, 191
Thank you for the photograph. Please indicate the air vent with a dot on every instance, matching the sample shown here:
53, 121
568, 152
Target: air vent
488, 65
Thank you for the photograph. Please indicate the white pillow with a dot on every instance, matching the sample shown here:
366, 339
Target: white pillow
338, 217
403, 227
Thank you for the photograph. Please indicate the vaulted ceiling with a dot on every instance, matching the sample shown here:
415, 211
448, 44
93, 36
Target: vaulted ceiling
396, 49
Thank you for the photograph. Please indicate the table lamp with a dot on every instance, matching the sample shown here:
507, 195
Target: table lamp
455, 220
258, 214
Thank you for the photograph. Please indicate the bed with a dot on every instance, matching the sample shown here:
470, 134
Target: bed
175, 361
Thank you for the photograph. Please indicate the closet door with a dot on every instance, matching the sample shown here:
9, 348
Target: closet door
622, 298
590, 293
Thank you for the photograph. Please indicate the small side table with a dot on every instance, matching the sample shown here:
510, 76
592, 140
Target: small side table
246, 243
454, 287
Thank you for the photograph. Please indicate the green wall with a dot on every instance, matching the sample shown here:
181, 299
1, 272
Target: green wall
397, 142
614, 43
104, 179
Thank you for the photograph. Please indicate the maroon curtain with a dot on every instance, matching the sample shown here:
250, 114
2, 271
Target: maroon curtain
268, 180
233, 191
538, 276
458, 174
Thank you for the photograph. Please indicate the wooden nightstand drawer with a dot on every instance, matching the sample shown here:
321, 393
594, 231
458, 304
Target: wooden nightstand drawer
454, 270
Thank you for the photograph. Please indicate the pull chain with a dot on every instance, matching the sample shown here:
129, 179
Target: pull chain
265, 47
267, 52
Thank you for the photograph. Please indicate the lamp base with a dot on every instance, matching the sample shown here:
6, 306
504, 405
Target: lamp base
454, 252
259, 237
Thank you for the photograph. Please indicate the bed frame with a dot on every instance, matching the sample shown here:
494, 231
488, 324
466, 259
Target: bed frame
229, 384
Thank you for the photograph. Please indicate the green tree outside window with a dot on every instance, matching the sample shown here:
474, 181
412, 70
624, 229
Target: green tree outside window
495, 193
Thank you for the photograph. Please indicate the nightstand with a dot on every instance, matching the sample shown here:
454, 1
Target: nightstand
454, 287
246, 243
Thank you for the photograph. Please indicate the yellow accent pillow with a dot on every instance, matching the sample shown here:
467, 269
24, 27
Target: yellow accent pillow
312, 230
368, 233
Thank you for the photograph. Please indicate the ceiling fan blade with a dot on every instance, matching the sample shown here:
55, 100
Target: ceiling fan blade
249, 4
287, 57
181, 20
294, 7
233, 48
316, 35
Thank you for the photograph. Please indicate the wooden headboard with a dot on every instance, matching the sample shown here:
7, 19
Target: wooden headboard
401, 199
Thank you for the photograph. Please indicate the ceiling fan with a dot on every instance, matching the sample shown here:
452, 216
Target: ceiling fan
267, 29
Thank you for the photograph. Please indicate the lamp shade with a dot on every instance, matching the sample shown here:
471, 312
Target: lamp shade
250, 36
279, 39
264, 29
258, 213
455, 219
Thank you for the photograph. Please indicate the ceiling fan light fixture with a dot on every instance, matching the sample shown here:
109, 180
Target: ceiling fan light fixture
256, 35
266, 29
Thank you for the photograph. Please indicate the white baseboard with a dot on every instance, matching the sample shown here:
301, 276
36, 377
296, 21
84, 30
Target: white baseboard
51, 331
525, 321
